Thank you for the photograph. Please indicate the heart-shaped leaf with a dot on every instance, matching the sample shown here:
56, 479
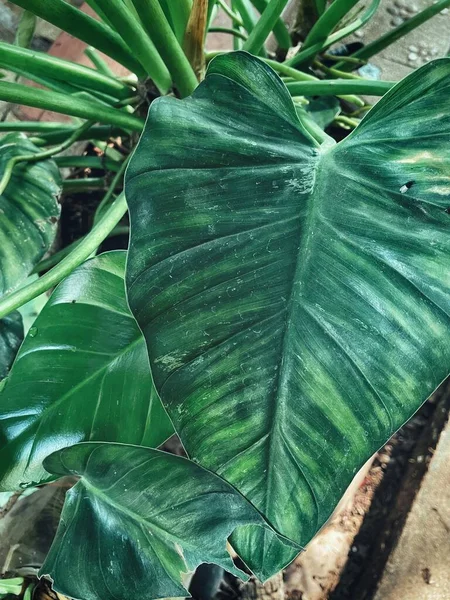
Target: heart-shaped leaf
11, 336
294, 297
29, 211
137, 520
82, 374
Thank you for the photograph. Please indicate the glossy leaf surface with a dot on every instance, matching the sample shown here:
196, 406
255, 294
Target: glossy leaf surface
294, 298
29, 211
137, 520
82, 374
11, 336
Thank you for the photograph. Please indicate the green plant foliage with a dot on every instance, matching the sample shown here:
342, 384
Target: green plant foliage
323, 110
294, 297
11, 336
81, 374
29, 212
137, 520
11, 586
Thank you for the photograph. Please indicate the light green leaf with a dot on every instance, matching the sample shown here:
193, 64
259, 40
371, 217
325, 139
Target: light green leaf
137, 521
29, 212
82, 374
294, 298
11, 336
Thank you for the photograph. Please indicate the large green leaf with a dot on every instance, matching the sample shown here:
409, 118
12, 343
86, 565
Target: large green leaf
11, 336
137, 520
82, 374
29, 211
295, 298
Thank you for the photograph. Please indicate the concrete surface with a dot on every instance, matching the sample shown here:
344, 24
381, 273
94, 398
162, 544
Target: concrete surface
430, 40
419, 567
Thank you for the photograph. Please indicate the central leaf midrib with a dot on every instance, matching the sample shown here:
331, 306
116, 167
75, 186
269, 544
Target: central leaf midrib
297, 283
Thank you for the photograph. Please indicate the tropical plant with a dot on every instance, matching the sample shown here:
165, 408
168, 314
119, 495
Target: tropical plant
282, 306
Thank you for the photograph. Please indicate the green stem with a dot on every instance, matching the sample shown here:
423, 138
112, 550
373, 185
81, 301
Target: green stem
312, 128
336, 87
87, 162
167, 44
33, 126
109, 194
54, 259
321, 6
234, 32
233, 16
347, 121
177, 13
327, 23
392, 36
247, 14
47, 66
280, 31
138, 41
284, 69
92, 32
60, 103
98, 62
86, 184
334, 72
98, 132
345, 59
90, 243
264, 26
37, 156
95, 7
129, 4
51, 84
307, 54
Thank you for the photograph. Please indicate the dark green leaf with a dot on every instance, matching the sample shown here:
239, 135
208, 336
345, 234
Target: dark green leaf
324, 110
81, 374
137, 520
11, 336
294, 298
29, 212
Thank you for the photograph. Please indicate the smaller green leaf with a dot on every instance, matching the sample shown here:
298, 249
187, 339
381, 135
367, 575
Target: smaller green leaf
82, 374
11, 336
26, 29
324, 110
137, 520
29, 211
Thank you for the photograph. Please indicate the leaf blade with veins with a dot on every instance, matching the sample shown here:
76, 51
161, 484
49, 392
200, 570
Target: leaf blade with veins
294, 301
82, 374
137, 520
